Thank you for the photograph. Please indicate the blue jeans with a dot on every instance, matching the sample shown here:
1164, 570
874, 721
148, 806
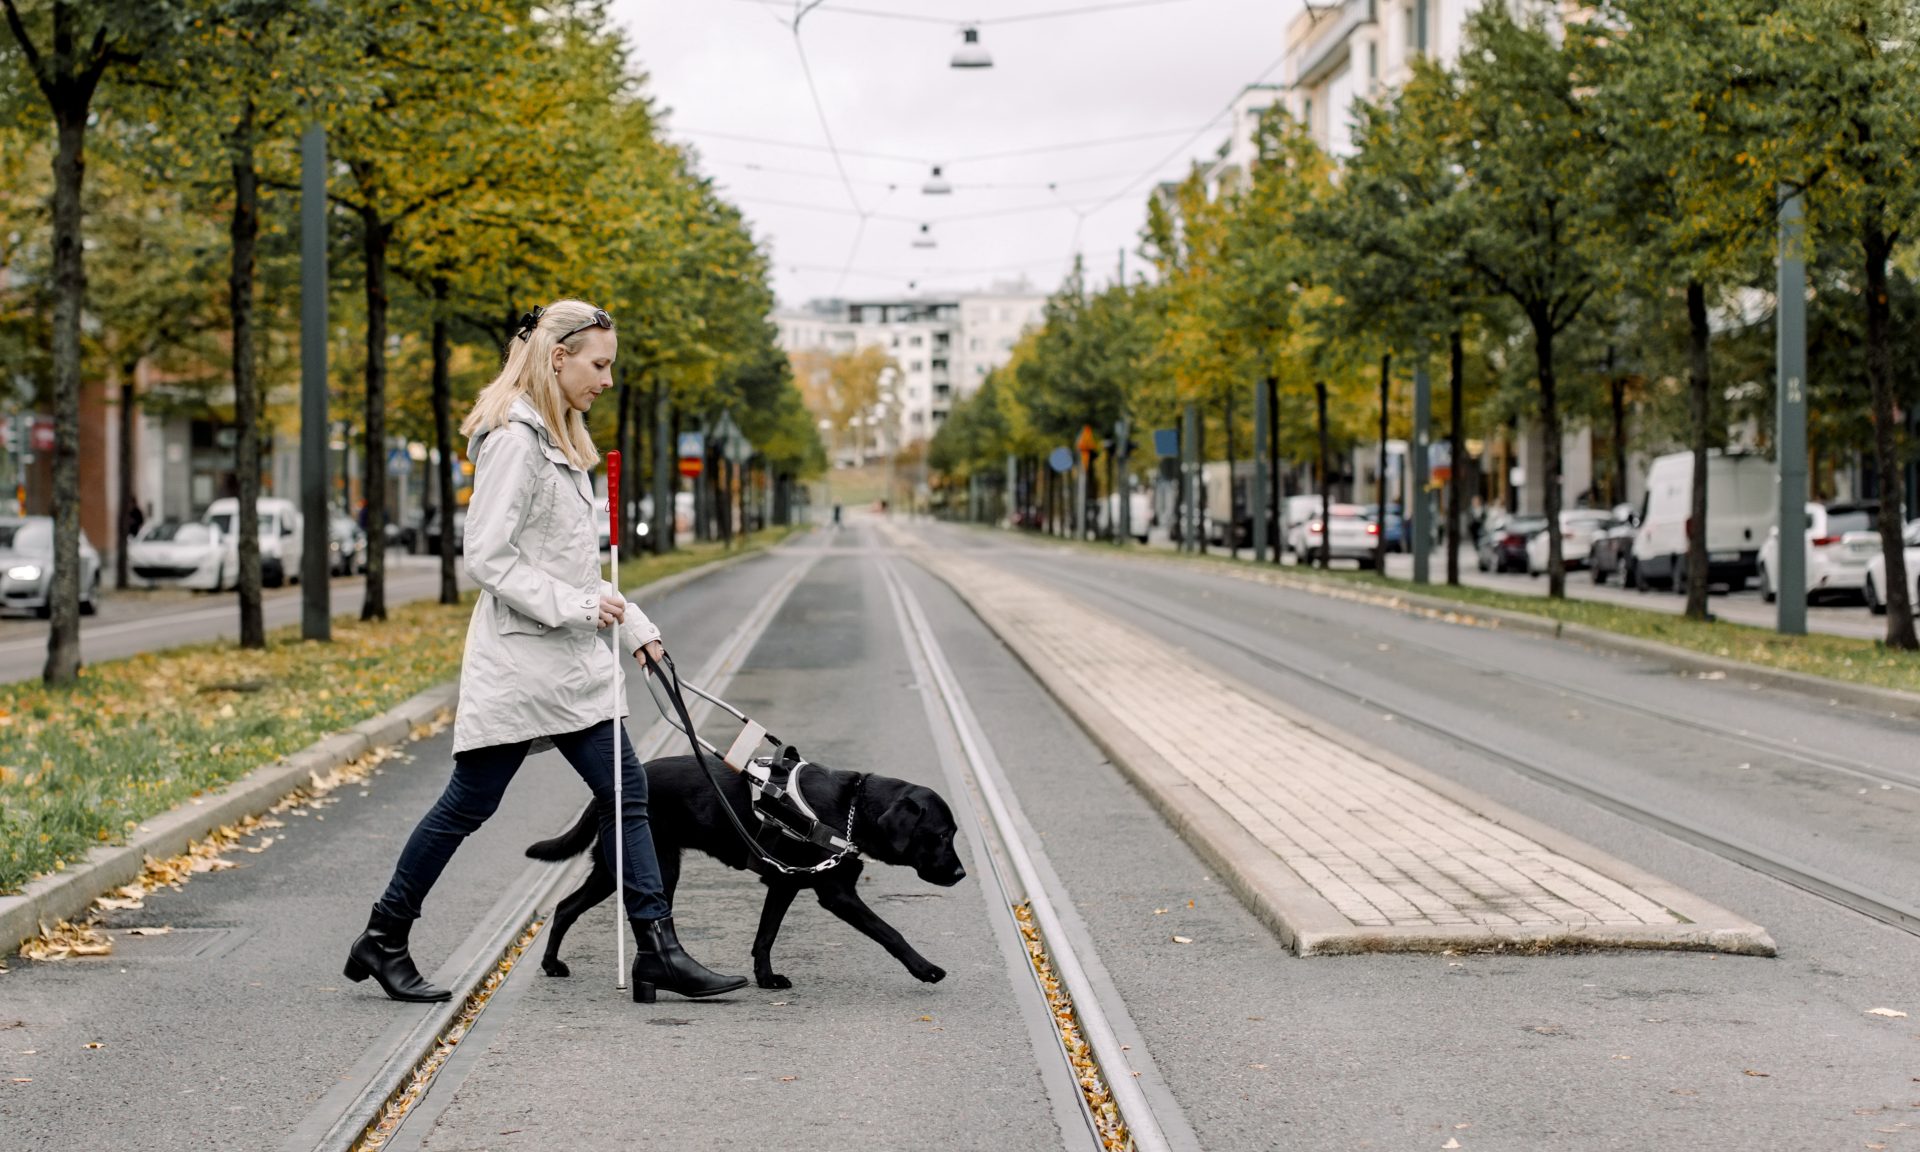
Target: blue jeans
480, 779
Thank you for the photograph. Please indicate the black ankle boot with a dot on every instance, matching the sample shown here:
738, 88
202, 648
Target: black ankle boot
660, 963
381, 952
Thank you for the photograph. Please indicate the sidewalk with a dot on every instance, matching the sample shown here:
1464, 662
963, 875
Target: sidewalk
1340, 847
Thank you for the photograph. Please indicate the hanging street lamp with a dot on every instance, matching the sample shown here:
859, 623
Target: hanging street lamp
971, 54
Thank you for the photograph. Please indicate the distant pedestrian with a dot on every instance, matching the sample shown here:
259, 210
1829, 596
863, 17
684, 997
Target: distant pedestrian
532, 545
136, 520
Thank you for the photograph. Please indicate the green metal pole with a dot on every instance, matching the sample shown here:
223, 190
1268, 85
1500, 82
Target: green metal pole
1421, 525
1262, 436
1790, 406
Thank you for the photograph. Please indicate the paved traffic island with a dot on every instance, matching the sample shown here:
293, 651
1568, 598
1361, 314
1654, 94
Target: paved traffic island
1338, 846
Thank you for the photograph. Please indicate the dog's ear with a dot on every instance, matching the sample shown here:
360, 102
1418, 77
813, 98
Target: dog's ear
899, 822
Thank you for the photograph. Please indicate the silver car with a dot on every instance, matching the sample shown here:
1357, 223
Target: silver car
26, 566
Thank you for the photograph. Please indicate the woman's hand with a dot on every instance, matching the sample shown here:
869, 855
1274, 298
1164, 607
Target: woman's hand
654, 649
612, 610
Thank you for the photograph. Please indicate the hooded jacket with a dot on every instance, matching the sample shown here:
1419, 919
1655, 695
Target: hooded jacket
535, 665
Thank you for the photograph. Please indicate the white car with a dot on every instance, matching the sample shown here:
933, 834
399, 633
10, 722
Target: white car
183, 554
1353, 537
280, 543
1578, 528
26, 566
1833, 563
1873, 588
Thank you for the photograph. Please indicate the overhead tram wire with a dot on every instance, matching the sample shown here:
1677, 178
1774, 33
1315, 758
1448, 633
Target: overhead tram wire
801, 8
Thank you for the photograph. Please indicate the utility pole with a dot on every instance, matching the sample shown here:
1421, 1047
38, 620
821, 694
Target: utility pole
1262, 437
1421, 524
316, 601
1790, 408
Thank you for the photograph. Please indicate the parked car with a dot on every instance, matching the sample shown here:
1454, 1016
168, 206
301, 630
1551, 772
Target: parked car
1395, 527
1836, 562
280, 546
1299, 510
431, 527
1349, 533
1607, 554
1875, 584
1740, 505
183, 554
1578, 528
26, 566
1503, 540
346, 546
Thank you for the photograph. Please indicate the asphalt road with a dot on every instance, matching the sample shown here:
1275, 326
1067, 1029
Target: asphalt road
1257, 1050
140, 620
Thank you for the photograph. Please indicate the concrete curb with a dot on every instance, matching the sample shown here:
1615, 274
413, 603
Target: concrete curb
1303, 919
1890, 700
65, 894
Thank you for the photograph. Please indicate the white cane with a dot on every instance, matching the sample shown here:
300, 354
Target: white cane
619, 821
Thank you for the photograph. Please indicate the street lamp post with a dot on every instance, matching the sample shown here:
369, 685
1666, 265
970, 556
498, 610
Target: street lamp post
316, 609
1790, 407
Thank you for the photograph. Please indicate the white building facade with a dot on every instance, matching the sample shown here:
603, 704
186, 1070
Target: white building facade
942, 347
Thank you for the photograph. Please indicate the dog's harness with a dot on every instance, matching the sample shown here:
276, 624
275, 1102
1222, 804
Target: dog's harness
773, 781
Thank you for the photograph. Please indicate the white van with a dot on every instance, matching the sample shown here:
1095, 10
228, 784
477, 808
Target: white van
1740, 499
280, 539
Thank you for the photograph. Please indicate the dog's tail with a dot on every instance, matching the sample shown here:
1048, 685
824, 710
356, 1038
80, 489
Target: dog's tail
570, 843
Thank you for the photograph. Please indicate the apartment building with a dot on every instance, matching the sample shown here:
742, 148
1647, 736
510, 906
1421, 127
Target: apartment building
942, 347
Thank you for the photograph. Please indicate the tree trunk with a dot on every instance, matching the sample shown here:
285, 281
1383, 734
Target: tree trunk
1550, 430
245, 233
1457, 450
1699, 413
1617, 397
1886, 452
69, 297
129, 459
661, 534
443, 437
623, 444
1380, 478
1326, 529
375, 234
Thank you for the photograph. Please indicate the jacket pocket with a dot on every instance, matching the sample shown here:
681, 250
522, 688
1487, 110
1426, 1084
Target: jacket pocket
507, 621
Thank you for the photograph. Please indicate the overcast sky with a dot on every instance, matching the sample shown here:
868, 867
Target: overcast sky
731, 68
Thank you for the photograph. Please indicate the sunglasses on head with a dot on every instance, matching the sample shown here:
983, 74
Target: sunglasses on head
600, 320
531, 320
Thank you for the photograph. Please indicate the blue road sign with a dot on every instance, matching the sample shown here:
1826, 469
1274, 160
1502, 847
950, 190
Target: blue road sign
1061, 459
1166, 441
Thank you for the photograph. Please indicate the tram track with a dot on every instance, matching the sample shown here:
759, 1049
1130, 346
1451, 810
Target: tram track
394, 1082
1808, 878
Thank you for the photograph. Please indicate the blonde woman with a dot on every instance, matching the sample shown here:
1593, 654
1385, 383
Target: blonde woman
535, 673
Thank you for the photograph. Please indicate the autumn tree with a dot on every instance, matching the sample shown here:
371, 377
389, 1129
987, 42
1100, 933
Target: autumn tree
68, 47
1534, 227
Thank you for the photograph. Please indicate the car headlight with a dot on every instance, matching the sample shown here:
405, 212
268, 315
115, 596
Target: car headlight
24, 572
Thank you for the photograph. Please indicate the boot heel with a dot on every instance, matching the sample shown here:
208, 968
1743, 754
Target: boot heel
643, 992
357, 971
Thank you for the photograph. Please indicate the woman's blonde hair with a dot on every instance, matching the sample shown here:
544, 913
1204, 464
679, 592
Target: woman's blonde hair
529, 372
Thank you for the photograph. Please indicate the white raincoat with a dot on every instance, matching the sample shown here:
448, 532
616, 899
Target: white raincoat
535, 665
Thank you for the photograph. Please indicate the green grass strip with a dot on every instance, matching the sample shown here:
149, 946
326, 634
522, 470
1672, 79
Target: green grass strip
83, 765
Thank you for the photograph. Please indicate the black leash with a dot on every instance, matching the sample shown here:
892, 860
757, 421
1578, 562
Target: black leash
672, 685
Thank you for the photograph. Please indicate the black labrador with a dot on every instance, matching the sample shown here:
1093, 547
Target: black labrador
894, 822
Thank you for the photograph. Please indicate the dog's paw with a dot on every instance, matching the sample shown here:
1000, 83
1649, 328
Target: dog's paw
931, 974
554, 966
773, 980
